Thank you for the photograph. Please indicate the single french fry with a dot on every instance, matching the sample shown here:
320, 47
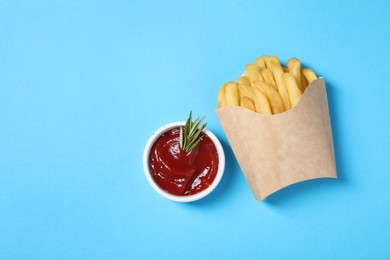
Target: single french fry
294, 67
231, 94
248, 103
294, 92
304, 81
261, 102
309, 75
221, 96
260, 61
270, 59
273, 96
252, 72
277, 70
273, 63
243, 80
268, 77
245, 91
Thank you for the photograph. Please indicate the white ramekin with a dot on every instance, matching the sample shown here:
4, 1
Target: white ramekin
189, 198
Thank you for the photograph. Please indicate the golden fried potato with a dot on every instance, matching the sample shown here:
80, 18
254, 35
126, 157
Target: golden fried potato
277, 70
309, 75
304, 81
294, 67
248, 103
260, 61
294, 92
261, 102
267, 86
273, 96
270, 59
221, 96
245, 91
268, 77
243, 80
252, 72
231, 94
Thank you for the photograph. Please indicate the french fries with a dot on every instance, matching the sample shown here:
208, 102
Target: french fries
294, 67
309, 75
273, 96
221, 96
231, 94
268, 77
277, 70
261, 103
243, 80
294, 93
247, 103
260, 61
267, 87
252, 72
245, 91
270, 59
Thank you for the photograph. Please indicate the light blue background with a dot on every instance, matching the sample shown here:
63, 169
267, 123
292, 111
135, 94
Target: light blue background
83, 85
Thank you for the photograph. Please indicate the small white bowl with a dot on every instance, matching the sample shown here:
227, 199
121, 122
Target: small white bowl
189, 198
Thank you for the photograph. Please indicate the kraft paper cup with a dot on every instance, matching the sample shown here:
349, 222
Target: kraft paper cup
275, 151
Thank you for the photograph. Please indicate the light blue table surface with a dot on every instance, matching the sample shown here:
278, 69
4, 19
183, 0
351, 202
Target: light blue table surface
83, 85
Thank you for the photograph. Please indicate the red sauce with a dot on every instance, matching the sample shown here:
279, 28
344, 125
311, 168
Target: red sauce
181, 173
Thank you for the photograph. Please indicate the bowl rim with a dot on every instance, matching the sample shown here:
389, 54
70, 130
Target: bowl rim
189, 198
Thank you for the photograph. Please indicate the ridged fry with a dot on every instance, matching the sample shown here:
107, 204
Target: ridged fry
248, 103
268, 77
277, 70
304, 81
252, 72
261, 102
309, 75
270, 59
243, 80
245, 91
294, 92
294, 67
221, 96
260, 61
231, 94
273, 96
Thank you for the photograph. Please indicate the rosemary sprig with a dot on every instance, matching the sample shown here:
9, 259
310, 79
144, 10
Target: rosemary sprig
190, 133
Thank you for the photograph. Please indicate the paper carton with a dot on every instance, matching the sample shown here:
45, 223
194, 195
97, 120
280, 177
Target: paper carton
275, 151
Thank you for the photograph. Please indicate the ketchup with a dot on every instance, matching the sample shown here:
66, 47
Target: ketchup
181, 173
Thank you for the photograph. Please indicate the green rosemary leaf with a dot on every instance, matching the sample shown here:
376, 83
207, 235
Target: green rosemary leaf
190, 135
190, 148
196, 134
188, 123
196, 125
